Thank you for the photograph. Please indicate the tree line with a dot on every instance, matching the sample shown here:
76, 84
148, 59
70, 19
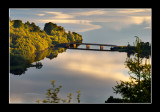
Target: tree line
27, 38
131, 50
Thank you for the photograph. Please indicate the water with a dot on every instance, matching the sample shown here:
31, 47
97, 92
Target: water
94, 73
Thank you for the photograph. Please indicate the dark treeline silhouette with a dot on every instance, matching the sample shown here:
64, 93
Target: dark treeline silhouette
131, 50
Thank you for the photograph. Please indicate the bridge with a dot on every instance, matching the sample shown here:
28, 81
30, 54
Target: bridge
74, 45
89, 49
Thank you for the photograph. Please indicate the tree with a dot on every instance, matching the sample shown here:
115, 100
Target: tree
17, 23
28, 23
114, 100
27, 40
49, 27
70, 37
138, 89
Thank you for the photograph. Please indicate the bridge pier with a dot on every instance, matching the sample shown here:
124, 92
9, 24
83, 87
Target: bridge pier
87, 46
74, 46
101, 47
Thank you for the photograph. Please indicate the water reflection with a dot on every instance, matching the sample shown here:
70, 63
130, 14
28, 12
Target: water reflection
89, 71
92, 72
95, 64
19, 66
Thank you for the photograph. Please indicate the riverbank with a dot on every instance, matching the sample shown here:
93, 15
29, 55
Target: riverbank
131, 50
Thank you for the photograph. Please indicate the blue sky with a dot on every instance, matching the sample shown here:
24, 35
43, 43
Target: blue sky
110, 21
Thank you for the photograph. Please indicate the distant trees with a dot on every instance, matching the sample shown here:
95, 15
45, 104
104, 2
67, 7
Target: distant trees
131, 50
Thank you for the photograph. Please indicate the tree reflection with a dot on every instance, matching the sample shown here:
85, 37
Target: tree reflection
19, 64
18, 71
38, 65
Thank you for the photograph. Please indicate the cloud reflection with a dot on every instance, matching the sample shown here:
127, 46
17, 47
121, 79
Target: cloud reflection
98, 65
92, 72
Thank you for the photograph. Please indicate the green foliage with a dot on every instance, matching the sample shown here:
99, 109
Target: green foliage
52, 95
49, 27
78, 96
142, 48
17, 23
27, 41
132, 93
138, 89
27, 38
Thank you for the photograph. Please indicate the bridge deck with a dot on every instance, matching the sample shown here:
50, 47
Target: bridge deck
93, 44
88, 49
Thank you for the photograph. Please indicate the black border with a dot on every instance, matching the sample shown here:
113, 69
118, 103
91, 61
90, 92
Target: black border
106, 6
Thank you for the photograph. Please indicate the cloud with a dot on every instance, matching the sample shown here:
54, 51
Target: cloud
121, 22
59, 15
40, 14
116, 19
83, 25
133, 11
90, 13
141, 19
73, 24
71, 21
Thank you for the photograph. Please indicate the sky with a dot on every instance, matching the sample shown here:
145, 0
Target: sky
115, 23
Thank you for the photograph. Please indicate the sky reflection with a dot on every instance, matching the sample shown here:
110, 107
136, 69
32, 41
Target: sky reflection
98, 65
89, 71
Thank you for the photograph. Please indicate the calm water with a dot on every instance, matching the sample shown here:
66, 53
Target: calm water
94, 73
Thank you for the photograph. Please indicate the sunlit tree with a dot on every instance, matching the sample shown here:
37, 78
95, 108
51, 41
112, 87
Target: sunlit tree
26, 39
